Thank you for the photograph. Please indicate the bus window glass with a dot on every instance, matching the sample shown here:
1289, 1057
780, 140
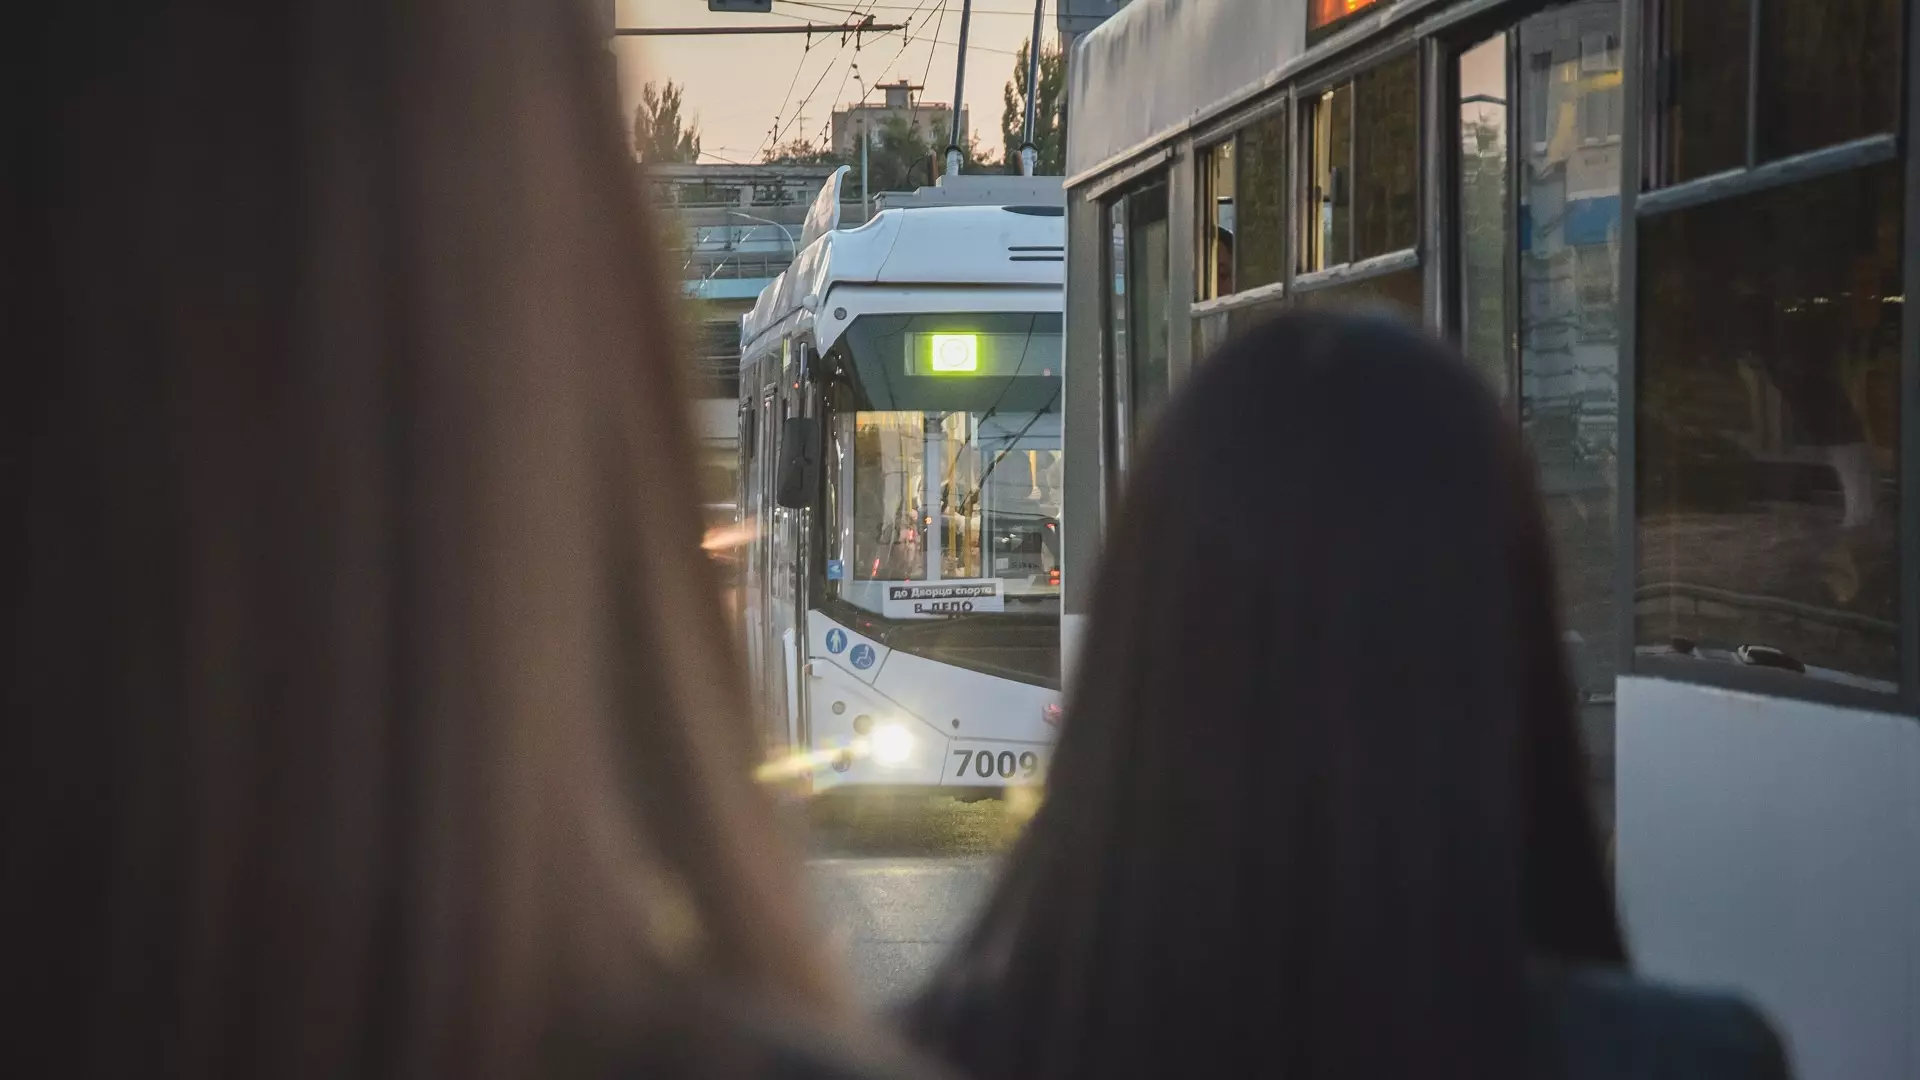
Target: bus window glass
1247, 316
1217, 233
1386, 156
1148, 296
1262, 208
946, 458
1114, 217
1398, 292
1327, 208
1209, 333
1568, 308
1705, 57
1485, 240
1829, 72
1338, 210
1768, 430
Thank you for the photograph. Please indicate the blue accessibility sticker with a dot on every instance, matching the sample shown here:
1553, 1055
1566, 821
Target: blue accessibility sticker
836, 641
836, 570
862, 656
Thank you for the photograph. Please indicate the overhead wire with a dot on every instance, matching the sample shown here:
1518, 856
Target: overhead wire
800, 110
905, 41
1028, 14
788, 96
913, 114
850, 26
826, 130
853, 12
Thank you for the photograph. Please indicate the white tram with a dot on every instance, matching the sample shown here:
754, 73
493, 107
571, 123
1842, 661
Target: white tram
1679, 239
900, 443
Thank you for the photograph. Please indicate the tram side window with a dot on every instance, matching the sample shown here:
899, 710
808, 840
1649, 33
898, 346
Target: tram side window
1148, 299
1768, 430
1485, 247
1386, 157
1262, 209
1326, 216
1399, 291
1361, 144
1209, 333
1828, 72
1113, 220
1138, 312
1217, 207
1243, 211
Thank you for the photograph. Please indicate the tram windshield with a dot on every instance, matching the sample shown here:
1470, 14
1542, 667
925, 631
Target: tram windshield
945, 465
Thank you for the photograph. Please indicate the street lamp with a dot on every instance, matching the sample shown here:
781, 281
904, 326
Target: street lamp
866, 139
793, 248
788, 233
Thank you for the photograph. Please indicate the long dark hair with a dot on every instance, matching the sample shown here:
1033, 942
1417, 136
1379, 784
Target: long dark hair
1318, 795
369, 710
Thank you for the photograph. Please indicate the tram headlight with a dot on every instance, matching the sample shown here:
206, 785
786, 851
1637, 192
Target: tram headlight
891, 744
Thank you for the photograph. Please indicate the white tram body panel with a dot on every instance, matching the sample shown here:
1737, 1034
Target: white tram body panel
1773, 846
949, 716
1716, 370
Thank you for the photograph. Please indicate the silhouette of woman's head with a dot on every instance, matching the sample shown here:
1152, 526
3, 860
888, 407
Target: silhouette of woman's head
1318, 790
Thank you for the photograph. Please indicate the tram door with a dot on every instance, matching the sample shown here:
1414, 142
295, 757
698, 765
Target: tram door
1541, 110
780, 644
764, 573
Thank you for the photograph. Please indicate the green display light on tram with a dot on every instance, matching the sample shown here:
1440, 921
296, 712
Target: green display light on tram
956, 354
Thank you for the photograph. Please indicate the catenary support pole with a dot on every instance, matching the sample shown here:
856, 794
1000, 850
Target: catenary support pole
959, 90
1029, 154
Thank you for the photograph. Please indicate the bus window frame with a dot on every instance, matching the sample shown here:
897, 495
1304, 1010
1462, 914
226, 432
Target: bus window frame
1229, 129
1206, 278
1440, 30
1302, 94
1116, 364
1642, 198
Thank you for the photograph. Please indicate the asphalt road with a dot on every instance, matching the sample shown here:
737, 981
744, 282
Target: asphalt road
896, 883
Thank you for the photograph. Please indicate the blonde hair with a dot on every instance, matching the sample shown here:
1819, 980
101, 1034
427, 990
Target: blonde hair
377, 713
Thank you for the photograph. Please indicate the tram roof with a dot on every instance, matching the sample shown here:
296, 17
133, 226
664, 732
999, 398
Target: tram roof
1158, 66
929, 245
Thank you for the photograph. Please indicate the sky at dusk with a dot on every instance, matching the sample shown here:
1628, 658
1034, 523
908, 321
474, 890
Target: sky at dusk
737, 85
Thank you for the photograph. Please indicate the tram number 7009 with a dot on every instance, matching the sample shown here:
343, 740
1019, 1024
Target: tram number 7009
1006, 764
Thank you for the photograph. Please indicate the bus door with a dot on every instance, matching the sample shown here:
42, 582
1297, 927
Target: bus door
752, 500
781, 643
1536, 299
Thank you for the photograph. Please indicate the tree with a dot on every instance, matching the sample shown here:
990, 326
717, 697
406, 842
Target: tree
802, 152
898, 159
1049, 118
660, 136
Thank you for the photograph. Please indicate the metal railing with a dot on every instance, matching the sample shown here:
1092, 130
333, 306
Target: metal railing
733, 265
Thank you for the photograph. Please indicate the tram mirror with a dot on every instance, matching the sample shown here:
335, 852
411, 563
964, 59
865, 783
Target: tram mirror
799, 476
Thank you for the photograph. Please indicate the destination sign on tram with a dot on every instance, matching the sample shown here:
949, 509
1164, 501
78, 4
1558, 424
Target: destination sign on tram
1323, 16
936, 599
969, 354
